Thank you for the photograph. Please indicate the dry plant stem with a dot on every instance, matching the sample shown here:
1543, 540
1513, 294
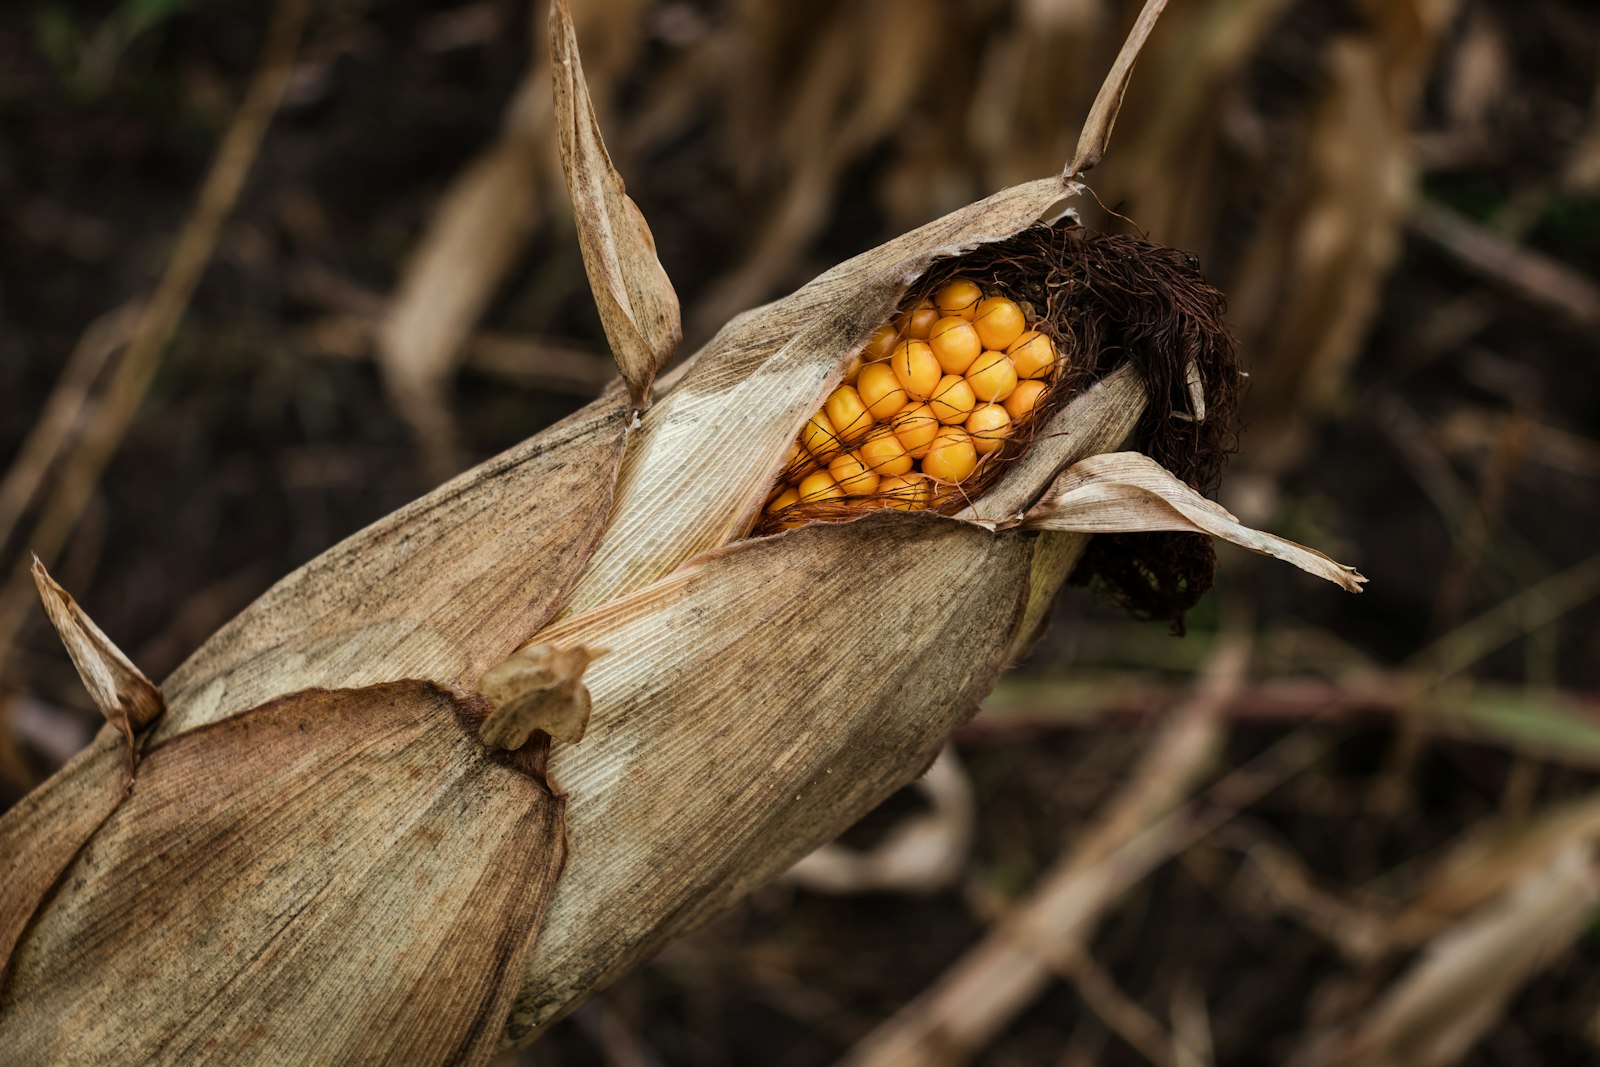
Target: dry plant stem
1308, 286
1436, 1011
160, 317
1521, 614
985, 990
1531, 275
1488, 862
1122, 1015
53, 432
477, 232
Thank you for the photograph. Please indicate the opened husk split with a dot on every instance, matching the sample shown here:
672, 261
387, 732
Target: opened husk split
332, 842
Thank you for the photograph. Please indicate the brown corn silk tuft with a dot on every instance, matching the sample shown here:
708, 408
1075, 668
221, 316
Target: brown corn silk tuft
1106, 301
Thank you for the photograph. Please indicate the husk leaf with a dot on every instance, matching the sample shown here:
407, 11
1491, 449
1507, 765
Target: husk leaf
638, 307
1126, 492
41, 835
539, 688
752, 706
698, 470
336, 876
1096, 132
128, 700
441, 589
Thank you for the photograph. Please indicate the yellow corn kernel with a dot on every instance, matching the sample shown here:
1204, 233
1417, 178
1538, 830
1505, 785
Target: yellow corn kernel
955, 344
991, 376
884, 453
1024, 398
850, 418
853, 475
820, 438
999, 322
880, 344
905, 492
916, 368
952, 458
916, 427
953, 399
881, 391
959, 297
788, 498
801, 463
915, 323
989, 427
819, 486
1033, 355
852, 370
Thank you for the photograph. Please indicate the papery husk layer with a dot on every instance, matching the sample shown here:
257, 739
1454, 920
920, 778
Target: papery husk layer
705, 456
335, 876
442, 589
744, 716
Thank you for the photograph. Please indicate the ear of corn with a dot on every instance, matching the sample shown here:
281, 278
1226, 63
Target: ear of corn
932, 411
775, 736
700, 467
302, 849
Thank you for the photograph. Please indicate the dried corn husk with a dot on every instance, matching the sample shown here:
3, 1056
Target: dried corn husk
320, 855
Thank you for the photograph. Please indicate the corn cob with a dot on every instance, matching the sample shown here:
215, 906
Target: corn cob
325, 837
938, 443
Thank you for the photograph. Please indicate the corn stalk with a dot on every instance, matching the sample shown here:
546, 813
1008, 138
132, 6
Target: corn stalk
444, 781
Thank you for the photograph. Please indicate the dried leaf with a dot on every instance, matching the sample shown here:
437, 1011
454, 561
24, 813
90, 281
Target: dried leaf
737, 724
637, 304
1125, 492
336, 876
539, 688
1462, 984
442, 589
1102, 118
127, 699
1102, 419
41, 835
477, 233
699, 468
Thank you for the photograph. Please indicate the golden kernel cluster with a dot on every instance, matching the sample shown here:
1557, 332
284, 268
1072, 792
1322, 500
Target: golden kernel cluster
930, 397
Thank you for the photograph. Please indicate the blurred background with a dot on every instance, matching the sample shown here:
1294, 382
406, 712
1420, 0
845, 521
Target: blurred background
267, 273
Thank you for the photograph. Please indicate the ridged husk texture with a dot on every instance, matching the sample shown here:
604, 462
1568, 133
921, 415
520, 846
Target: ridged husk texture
327, 845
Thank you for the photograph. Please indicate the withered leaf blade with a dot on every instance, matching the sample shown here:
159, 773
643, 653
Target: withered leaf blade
1096, 133
339, 876
752, 706
698, 470
41, 835
637, 304
1102, 418
539, 688
444, 588
1126, 492
127, 699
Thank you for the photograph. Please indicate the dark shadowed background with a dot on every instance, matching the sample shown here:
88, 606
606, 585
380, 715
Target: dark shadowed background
1384, 808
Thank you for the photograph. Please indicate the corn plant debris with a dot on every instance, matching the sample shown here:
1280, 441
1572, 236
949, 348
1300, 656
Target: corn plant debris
128, 700
539, 688
1275, 139
637, 304
431, 869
